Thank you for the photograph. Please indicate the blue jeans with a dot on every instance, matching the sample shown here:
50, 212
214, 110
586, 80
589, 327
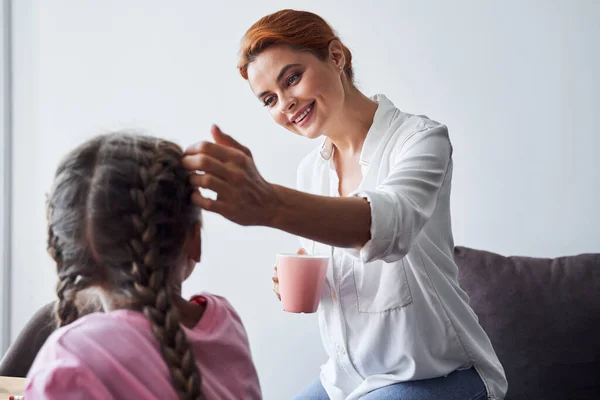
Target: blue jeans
459, 385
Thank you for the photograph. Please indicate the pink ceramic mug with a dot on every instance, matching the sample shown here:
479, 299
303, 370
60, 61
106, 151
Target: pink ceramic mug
301, 278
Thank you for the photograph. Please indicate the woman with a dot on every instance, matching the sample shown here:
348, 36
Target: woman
375, 196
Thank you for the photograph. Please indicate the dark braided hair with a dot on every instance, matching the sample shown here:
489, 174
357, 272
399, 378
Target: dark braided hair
118, 217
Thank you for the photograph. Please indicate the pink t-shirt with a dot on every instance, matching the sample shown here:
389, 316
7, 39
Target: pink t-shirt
114, 355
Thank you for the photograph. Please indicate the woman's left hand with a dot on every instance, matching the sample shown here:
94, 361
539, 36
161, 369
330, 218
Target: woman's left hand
227, 168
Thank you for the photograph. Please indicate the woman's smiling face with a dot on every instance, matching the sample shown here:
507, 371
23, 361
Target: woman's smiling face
302, 93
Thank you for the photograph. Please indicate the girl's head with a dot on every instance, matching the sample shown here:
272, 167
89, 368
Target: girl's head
299, 69
121, 226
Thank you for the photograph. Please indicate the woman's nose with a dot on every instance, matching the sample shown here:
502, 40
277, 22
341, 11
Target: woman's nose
287, 105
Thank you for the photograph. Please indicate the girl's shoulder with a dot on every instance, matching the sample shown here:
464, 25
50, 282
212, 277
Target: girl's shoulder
218, 311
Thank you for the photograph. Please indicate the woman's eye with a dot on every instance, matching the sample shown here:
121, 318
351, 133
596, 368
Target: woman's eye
293, 79
269, 101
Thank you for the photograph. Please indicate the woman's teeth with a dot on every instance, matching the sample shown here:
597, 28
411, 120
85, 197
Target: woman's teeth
304, 114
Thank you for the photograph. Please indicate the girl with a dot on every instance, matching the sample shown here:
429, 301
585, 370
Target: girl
124, 236
375, 197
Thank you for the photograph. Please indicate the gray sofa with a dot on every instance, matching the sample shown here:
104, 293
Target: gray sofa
542, 315
543, 318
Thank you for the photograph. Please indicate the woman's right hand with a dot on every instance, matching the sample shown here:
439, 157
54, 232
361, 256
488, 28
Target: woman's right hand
276, 279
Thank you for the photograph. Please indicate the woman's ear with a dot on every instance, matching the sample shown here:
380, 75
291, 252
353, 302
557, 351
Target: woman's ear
194, 243
336, 54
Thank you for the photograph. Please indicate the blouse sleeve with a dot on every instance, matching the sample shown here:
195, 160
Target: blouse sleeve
405, 200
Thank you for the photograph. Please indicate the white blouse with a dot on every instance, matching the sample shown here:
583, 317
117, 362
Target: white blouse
394, 310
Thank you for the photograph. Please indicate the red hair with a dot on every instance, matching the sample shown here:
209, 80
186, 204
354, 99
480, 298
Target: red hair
300, 30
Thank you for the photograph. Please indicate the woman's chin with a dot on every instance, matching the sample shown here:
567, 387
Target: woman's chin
307, 133
311, 135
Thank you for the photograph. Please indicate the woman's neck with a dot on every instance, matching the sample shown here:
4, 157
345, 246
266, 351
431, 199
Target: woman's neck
349, 129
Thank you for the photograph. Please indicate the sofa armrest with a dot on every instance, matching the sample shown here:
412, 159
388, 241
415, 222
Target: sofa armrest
20, 355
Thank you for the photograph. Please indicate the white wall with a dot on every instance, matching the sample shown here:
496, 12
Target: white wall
514, 81
4, 174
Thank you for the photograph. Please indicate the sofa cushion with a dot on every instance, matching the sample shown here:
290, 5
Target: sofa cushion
543, 318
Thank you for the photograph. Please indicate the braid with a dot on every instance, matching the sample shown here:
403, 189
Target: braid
151, 275
65, 309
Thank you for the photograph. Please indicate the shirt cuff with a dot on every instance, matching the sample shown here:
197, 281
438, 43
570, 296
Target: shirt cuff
382, 226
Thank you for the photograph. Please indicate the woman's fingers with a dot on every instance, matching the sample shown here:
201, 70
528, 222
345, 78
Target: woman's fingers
211, 182
222, 138
217, 206
200, 200
276, 283
221, 152
225, 149
207, 164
